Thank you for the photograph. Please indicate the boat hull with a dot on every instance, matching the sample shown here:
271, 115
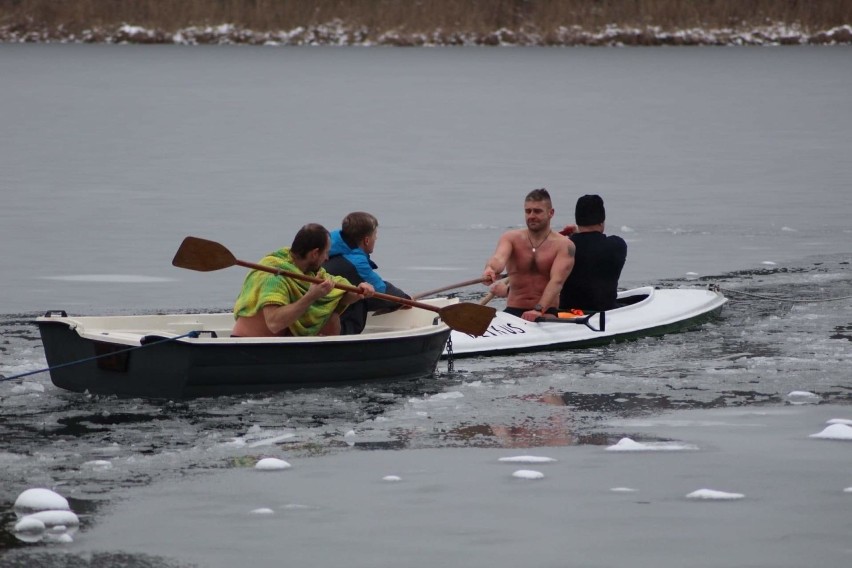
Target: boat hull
649, 312
165, 365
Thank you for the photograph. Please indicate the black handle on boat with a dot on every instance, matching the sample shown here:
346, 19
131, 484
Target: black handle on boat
581, 320
206, 256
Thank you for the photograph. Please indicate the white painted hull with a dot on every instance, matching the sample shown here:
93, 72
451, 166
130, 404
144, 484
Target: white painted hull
662, 311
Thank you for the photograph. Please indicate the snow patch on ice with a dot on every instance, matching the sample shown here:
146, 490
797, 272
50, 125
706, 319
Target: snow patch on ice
271, 464
714, 495
835, 432
628, 445
527, 459
528, 474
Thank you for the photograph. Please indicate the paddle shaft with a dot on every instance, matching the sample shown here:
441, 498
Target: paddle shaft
470, 282
491, 295
315, 280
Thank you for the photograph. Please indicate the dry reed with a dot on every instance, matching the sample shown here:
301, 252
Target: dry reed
371, 20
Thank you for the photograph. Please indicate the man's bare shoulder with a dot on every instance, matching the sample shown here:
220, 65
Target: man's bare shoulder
514, 235
564, 243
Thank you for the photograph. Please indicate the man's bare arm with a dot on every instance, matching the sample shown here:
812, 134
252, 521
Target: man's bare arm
559, 271
495, 265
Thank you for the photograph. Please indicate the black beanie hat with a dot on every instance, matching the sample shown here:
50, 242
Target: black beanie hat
590, 210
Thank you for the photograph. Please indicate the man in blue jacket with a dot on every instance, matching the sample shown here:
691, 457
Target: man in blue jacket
349, 256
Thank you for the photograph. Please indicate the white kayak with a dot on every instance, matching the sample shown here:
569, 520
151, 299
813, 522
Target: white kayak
644, 312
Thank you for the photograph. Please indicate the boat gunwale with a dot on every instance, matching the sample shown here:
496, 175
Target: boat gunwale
682, 321
154, 327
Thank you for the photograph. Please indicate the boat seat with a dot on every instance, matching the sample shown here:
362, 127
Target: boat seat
182, 327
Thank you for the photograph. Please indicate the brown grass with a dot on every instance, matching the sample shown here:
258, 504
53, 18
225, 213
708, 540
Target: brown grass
437, 18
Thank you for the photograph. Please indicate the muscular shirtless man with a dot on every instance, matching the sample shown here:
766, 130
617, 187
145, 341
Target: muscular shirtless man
538, 261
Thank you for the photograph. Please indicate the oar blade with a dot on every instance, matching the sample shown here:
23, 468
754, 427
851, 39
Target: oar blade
468, 318
202, 255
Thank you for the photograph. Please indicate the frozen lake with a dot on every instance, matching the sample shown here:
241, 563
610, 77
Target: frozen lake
726, 166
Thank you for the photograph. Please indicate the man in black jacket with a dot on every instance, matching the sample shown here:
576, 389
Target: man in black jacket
592, 285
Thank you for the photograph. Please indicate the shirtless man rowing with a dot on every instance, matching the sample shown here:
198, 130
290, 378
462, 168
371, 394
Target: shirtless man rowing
538, 261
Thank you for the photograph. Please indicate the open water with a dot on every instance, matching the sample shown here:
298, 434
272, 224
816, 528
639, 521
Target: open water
728, 166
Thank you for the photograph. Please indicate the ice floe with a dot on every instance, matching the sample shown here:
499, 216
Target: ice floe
27, 387
802, 397
391, 478
846, 421
714, 495
98, 465
835, 432
623, 490
38, 499
527, 459
44, 515
262, 511
528, 474
628, 445
271, 441
271, 464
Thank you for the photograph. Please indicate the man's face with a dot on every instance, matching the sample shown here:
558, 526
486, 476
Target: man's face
318, 257
370, 242
538, 215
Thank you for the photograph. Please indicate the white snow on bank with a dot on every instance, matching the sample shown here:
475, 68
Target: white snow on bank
628, 445
835, 432
391, 478
262, 511
527, 459
337, 32
528, 474
623, 490
713, 495
848, 490
271, 464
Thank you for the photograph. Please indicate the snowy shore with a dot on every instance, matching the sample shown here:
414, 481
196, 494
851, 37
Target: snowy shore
339, 34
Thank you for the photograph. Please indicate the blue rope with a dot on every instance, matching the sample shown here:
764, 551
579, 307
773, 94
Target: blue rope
192, 334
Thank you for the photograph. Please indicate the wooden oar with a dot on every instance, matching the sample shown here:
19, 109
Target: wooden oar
427, 293
450, 287
206, 256
445, 288
491, 295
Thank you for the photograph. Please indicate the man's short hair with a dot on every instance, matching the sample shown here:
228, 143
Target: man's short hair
311, 236
540, 194
589, 210
356, 226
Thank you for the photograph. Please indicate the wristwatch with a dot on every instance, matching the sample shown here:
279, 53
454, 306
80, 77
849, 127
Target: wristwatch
539, 309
